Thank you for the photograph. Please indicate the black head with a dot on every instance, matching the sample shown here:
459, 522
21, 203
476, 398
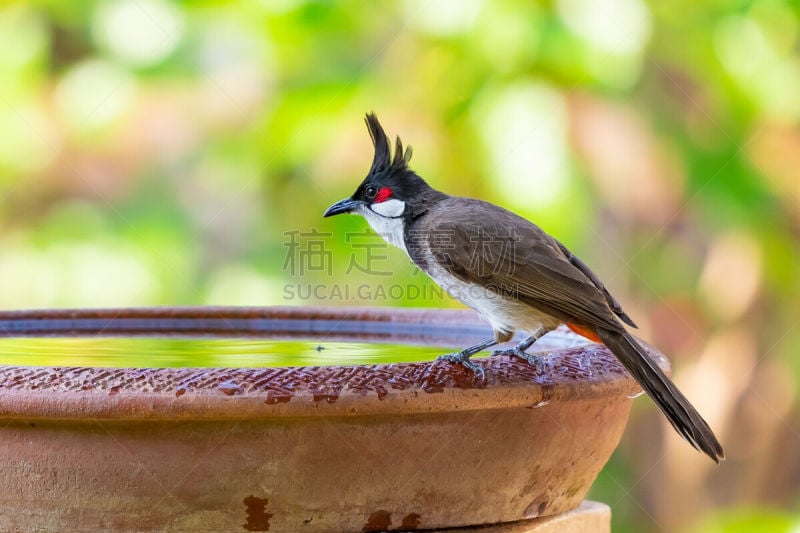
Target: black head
389, 178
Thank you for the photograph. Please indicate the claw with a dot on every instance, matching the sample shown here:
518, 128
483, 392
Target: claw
462, 359
532, 359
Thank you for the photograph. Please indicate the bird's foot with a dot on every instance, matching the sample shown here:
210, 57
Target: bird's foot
462, 358
516, 351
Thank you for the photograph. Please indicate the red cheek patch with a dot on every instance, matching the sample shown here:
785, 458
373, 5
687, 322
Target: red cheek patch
383, 194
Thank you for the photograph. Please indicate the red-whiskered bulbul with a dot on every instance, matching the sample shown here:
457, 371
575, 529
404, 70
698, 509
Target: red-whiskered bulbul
509, 270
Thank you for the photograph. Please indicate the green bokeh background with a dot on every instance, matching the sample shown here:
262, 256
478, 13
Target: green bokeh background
157, 153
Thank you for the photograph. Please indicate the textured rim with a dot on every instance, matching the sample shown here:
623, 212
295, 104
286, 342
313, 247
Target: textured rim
577, 373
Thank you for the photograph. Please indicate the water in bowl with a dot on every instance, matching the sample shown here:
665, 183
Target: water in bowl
203, 352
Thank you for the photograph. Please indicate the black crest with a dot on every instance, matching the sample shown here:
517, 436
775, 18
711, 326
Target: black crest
383, 161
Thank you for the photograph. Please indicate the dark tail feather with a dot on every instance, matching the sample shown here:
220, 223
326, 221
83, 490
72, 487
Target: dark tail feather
680, 413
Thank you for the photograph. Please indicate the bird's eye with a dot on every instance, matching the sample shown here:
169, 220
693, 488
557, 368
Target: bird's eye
370, 191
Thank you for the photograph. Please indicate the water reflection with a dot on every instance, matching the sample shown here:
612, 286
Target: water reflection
203, 352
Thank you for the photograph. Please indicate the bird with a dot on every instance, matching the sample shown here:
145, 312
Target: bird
514, 274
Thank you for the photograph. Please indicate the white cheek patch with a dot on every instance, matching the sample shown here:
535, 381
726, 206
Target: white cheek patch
389, 208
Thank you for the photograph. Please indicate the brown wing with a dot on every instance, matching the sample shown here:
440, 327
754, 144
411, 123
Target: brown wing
499, 249
610, 300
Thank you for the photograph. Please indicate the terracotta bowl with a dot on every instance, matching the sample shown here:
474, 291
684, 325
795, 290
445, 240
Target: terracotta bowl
336, 448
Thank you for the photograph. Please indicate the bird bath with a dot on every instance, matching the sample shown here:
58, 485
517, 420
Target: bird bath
313, 443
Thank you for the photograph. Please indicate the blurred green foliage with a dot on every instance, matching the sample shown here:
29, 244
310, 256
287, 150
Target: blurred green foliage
162, 153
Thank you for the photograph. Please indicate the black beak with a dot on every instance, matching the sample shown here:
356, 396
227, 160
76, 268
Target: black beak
345, 206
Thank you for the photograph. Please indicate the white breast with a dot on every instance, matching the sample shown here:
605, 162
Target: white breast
385, 220
503, 313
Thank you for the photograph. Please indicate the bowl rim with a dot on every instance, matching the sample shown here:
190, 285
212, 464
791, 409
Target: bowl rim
581, 373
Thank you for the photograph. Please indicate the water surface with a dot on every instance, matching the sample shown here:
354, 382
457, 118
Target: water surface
203, 352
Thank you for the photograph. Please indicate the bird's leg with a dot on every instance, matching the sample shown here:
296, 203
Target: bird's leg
463, 356
519, 350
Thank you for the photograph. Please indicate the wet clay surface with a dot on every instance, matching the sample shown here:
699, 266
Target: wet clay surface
564, 367
570, 373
